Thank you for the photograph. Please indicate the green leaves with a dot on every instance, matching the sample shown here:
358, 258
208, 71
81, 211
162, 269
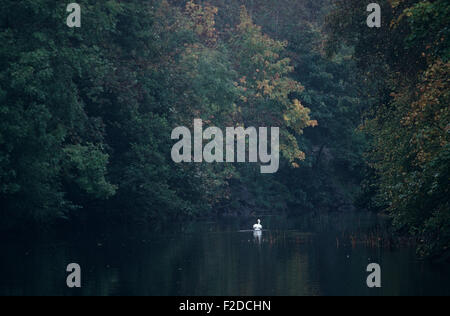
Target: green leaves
86, 166
408, 119
87, 113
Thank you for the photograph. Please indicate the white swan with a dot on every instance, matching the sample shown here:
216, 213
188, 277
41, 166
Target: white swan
258, 227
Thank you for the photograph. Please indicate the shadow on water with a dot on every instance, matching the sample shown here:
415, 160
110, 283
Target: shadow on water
307, 255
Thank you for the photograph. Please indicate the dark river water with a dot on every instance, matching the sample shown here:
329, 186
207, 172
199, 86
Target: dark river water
309, 255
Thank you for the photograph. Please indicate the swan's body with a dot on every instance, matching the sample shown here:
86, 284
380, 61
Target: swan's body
258, 227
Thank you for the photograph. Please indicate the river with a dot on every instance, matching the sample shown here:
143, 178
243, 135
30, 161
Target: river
304, 255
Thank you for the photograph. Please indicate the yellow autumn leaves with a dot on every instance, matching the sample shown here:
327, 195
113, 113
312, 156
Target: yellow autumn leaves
266, 95
203, 18
297, 117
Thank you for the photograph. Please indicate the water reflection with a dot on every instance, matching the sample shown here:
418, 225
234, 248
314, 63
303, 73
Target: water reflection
303, 256
257, 235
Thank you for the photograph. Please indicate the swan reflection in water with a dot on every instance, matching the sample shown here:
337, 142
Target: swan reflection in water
257, 234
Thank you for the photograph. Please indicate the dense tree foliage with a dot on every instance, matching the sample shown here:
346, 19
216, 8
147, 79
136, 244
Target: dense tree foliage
87, 113
406, 67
